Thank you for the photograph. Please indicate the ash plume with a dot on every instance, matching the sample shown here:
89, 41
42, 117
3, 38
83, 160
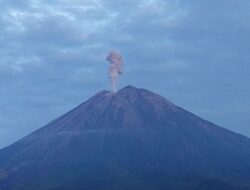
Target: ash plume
115, 68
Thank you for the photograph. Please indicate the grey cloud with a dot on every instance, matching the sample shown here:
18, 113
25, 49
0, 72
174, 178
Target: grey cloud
52, 56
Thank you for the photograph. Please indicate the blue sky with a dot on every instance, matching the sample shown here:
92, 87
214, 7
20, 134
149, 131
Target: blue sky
195, 53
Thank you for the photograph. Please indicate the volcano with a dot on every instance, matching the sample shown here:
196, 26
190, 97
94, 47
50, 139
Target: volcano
131, 140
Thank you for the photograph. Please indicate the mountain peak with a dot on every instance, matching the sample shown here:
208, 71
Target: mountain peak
131, 91
126, 91
129, 88
126, 108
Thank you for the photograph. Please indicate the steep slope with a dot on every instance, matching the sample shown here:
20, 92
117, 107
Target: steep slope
134, 139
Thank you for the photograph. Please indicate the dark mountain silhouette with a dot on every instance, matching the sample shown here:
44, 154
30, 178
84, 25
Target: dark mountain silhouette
131, 140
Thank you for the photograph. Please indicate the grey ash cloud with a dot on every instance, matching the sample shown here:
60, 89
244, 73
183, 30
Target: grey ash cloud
195, 52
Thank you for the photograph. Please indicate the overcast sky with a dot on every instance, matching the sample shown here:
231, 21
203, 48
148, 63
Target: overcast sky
193, 52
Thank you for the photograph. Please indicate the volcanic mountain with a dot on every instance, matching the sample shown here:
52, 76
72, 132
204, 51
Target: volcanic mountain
131, 140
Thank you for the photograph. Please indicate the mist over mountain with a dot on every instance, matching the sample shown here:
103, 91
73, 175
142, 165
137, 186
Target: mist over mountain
131, 140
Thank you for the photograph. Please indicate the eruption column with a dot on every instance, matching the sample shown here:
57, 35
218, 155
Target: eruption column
115, 68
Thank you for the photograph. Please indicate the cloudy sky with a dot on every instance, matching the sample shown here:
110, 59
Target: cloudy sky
195, 53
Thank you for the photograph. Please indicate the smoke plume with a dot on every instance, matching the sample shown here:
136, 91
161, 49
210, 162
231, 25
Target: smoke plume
115, 68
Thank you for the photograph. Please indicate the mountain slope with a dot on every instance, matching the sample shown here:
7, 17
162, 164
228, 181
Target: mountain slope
134, 139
